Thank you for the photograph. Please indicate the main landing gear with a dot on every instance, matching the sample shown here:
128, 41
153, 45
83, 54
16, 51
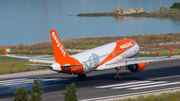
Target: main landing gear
82, 76
117, 76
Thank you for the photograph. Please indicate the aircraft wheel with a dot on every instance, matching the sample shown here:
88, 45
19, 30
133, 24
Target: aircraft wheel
114, 77
84, 76
119, 77
79, 77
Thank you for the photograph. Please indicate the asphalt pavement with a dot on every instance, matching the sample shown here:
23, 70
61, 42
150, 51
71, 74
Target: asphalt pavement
99, 85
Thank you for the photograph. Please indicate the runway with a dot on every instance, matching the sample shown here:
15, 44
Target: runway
100, 84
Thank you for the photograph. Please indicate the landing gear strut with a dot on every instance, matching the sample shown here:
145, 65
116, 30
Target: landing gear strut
81, 76
117, 76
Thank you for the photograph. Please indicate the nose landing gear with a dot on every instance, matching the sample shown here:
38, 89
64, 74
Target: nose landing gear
117, 76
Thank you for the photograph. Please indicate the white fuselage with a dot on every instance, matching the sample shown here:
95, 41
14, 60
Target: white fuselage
91, 58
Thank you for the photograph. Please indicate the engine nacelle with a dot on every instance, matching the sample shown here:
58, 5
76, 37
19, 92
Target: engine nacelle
56, 67
136, 67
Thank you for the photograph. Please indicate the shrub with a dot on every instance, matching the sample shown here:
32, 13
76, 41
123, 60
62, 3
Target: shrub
21, 94
176, 6
36, 93
20, 46
70, 94
163, 8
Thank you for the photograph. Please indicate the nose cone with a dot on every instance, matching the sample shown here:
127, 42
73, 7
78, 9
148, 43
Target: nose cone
138, 48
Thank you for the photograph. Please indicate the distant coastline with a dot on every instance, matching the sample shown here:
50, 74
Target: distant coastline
162, 12
144, 14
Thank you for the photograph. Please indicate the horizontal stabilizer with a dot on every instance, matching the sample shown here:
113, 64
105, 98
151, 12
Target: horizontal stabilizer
37, 65
70, 66
51, 65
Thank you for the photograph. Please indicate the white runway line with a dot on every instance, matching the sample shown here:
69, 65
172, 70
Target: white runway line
12, 80
139, 85
17, 83
21, 81
50, 79
129, 86
155, 85
130, 94
108, 86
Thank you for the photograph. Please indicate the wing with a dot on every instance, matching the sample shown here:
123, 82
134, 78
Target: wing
129, 61
32, 59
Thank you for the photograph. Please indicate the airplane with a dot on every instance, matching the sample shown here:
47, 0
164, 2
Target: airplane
116, 55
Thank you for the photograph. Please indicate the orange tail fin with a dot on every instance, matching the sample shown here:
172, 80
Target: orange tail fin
59, 50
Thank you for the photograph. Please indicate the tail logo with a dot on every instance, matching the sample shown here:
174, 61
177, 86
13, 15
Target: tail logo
59, 45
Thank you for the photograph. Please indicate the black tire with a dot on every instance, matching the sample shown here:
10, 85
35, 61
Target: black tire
79, 77
119, 77
114, 77
84, 76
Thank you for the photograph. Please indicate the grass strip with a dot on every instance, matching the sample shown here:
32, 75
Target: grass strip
162, 97
13, 65
150, 45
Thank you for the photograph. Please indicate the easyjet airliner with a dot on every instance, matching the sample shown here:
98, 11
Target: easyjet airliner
113, 55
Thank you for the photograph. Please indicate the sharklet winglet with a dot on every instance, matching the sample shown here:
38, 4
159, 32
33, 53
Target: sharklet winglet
5, 50
170, 50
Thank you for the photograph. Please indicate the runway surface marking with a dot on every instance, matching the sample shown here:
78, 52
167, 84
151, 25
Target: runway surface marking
130, 94
166, 84
107, 86
139, 85
164, 77
22, 81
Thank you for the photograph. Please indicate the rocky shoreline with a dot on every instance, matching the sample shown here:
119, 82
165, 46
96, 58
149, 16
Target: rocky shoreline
144, 14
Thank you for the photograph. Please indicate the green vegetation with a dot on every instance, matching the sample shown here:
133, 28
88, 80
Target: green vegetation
35, 48
176, 6
162, 97
36, 93
70, 94
13, 65
150, 45
147, 42
166, 11
21, 94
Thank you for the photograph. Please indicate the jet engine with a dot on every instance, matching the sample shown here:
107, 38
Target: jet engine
56, 67
136, 67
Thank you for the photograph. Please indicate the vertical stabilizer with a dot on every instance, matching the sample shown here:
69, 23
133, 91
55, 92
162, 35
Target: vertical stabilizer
64, 63
59, 50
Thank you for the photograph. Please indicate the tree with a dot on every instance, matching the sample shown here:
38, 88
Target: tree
176, 5
36, 92
70, 94
21, 94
